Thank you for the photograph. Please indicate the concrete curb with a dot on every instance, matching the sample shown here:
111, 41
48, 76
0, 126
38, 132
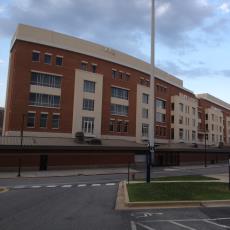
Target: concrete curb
170, 204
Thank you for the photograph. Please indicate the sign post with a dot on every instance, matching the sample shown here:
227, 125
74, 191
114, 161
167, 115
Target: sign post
229, 174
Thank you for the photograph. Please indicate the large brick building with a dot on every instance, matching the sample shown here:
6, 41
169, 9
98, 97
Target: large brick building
62, 85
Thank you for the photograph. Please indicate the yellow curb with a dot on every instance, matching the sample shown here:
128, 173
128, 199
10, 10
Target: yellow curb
2, 190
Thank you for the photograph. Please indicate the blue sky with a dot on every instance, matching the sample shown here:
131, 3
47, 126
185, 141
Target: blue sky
192, 36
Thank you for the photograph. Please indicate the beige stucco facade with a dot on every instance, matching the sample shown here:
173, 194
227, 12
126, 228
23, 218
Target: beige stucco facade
185, 119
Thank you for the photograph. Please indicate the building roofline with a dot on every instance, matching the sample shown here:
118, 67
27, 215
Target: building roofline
58, 40
214, 100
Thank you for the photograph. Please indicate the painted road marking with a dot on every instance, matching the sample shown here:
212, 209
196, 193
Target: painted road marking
145, 214
19, 187
51, 186
145, 226
181, 225
219, 225
67, 186
110, 184
36, 186
187, 220
133, 225
95, 185
81, 185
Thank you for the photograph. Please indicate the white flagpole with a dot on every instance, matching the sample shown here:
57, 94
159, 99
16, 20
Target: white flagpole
152, 126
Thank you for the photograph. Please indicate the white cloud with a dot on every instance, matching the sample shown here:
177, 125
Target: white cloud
225, 7
1, 61
162, 9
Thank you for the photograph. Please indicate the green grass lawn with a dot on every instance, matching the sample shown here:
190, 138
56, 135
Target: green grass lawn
186, 178
178, 191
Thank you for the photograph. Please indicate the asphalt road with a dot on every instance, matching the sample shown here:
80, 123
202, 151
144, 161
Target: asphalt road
91, 207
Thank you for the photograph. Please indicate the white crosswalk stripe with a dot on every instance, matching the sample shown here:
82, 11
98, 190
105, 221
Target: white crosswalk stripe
67, 186
95, 185
81, 185
60, 186
110, 184
51, 186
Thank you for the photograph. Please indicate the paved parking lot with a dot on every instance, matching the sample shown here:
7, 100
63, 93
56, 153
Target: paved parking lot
177, 219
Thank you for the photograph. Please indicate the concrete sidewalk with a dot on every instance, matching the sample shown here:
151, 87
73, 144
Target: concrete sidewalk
62, 173
222, 177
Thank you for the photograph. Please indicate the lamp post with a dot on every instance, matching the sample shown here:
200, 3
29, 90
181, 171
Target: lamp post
21, 144
205, 144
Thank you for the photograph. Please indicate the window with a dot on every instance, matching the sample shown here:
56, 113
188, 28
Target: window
181, 119
120, 110
30, 120
89, 86
193, 122
88, 104
181, 107
181, 134
55, 121
59, 60
121, 75
84, 66
120, 93
206, 127
145, 98
46, 100
172, 119
118, 126
193, 111
172, 106
213, 138
160, 104
194, 136
206, 117
114, 74
48, 80
127, 76
43, 120
94, 68
36, 56
172, 133
160, 117
47, 59
88, 125
145, 113
145, 130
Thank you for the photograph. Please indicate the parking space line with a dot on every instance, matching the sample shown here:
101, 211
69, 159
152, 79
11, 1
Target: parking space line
145, 226
133, 225
186, 220
219, 225
181, 225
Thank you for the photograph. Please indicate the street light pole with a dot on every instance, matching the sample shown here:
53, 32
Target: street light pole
21, 144
205, 144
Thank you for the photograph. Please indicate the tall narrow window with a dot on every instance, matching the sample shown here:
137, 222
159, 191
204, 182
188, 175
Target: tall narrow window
55, 121
145, 130
30, 120
114, 73
35, 56
88, 125
43, 120
145, 98
47, 59
84, 66
94, 68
